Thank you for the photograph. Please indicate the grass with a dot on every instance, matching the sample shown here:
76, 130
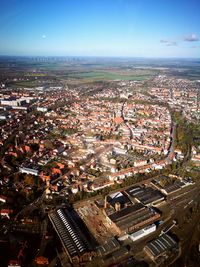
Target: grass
25, 84
36, 74
109, 75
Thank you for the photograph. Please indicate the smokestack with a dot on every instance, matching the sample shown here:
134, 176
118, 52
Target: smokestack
105, 202
16, 143
117, 206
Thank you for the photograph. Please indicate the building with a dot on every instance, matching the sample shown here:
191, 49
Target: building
145, 195
161, 246
167, 185
117, 200
5, 213
4, 117
40, 260
131, 218
28, 171
14, 263
110, 246
143, 232
73, 234
13, 102
3, 199
42, 109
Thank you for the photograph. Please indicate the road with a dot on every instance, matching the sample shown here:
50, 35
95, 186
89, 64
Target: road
37, 203
125, 122
170, 154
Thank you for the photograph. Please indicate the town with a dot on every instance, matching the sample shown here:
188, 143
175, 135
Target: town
107, 171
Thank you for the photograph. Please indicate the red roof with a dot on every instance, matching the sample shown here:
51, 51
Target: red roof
8, 211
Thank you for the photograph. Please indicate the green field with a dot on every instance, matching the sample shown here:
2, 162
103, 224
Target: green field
109, 75
30, 84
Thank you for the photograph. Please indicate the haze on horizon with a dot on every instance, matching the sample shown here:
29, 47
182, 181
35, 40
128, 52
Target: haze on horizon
130, 28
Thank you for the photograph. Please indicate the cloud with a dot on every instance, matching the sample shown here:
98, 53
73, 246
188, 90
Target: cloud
44, 36
168, 43
195, 46
191, 38
163, 41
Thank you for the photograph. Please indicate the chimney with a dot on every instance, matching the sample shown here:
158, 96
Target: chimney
117, 206
105, 202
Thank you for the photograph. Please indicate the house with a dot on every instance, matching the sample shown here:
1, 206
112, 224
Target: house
14, 263
5, 213
139, 163
29, 171
3, 199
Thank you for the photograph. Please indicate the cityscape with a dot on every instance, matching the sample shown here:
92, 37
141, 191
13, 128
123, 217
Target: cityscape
99, 149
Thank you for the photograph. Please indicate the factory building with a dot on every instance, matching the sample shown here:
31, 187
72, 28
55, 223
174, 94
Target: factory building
118, 200
127, 216
74, 237
132, 218
146, 195
143, 232
172, 184
110, 246
161, 247
13, 102
29, 171
42, 109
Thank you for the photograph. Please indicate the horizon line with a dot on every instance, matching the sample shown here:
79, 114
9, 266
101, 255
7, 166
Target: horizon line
98, 56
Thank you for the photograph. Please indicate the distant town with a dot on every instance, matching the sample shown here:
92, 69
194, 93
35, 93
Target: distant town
99, 162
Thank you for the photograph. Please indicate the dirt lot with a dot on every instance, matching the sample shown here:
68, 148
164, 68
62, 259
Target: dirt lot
96, 221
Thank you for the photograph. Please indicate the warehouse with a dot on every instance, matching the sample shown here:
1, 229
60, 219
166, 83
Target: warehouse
167, 185
118, 198
126, 212
29, 171
161, 246
133, 217
71, 235
143, 232
108, 247
146, 195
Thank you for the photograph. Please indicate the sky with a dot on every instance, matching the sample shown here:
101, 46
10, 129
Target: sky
119, 28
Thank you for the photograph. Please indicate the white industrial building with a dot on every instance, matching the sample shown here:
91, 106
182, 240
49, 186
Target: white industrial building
29, 171
143, 232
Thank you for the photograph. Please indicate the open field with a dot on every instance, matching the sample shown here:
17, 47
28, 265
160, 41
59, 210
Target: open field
25, 84
45, 71
113, 75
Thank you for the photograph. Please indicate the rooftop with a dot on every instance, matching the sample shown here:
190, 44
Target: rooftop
146, 195
161, 245
70, 232
118, 197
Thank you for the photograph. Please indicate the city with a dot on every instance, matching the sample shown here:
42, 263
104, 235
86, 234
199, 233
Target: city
111, 157
99, 133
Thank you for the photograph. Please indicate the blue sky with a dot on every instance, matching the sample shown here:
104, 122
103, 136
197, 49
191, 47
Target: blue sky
137, 28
